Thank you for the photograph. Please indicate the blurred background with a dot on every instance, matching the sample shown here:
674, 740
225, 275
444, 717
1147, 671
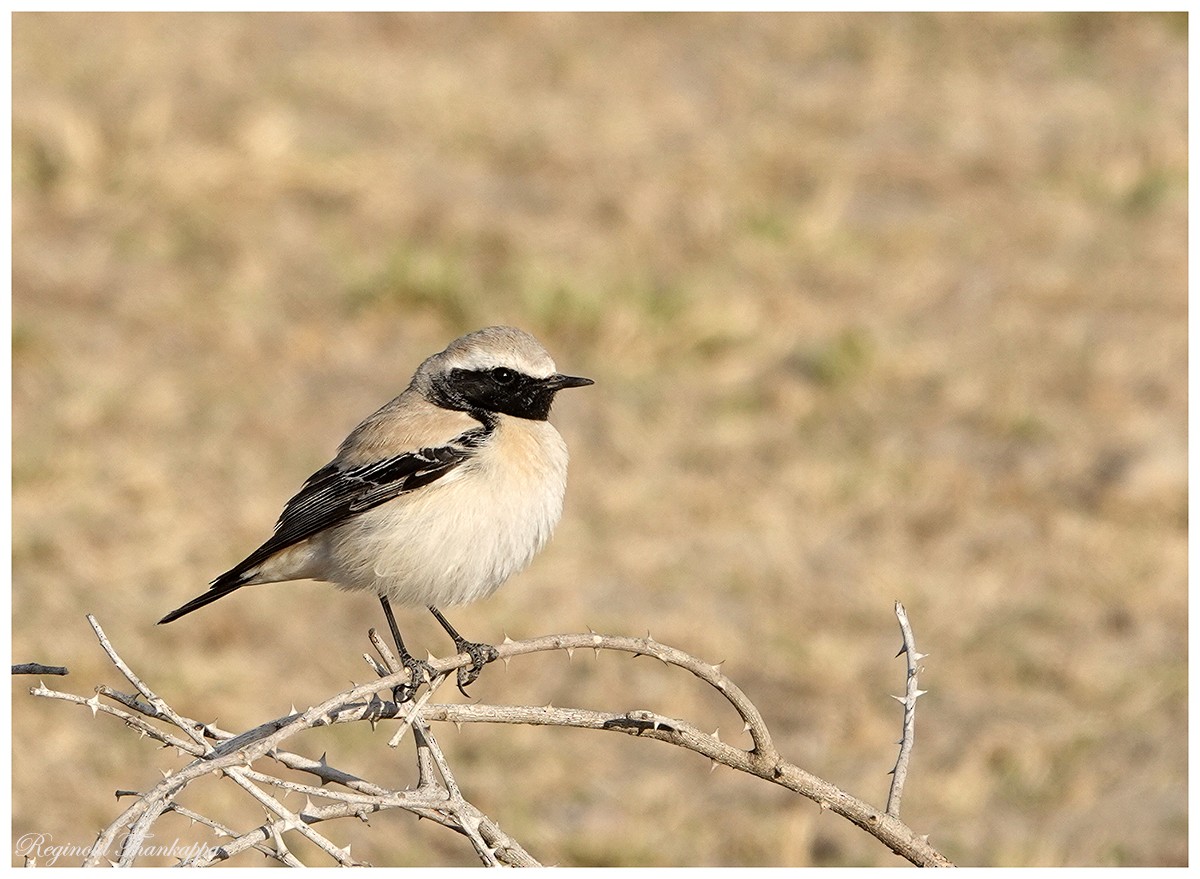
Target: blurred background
878, 306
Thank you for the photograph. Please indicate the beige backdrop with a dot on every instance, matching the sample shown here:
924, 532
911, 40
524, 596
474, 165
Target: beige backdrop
878, 307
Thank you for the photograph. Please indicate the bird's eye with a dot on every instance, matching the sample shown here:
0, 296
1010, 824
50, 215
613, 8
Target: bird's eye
502, 375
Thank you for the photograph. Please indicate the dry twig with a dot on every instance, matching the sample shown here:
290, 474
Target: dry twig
909, 701
437, 795
36, 668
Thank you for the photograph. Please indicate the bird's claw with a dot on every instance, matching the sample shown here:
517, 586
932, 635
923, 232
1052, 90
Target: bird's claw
419, 672
481, 655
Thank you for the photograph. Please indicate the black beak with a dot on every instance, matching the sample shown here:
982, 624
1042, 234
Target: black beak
558, 382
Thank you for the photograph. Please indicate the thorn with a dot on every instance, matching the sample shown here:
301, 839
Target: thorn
717, 734
308, 805
458, 725
712, 766
166, 773
570, 653
901, 699
924, 838
919, 693
93, 703
506, 659
549, 706
507, 640
917, 657
649, 637
900, 652
746, 726
293, 711
823, 805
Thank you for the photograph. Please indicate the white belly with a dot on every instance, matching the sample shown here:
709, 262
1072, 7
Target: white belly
457, 539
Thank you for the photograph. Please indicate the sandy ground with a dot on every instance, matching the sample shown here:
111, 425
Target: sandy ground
878, 307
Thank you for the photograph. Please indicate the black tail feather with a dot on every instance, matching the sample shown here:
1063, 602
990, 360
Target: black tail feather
221, 587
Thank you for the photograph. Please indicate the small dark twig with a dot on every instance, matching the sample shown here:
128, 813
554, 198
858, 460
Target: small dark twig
36, 668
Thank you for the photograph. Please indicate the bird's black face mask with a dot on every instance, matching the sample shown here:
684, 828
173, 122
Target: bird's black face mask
503, 390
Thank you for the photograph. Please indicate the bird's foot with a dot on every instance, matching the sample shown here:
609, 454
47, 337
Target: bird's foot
419, 672
481, 655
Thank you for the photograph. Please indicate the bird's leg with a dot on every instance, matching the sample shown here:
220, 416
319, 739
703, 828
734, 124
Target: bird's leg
418, 670
480, 654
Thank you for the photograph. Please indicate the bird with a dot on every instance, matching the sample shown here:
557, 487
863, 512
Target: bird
436, 499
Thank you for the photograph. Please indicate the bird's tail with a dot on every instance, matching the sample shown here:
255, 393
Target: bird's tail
228, 582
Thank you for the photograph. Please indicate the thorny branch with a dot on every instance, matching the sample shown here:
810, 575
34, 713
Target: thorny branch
437, 795
909, 701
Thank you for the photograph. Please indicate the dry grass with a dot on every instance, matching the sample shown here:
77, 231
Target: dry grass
878, 306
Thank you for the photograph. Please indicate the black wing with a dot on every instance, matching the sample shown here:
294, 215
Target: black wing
332, 495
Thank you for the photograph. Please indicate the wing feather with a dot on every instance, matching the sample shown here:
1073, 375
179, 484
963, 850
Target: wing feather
336, 493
